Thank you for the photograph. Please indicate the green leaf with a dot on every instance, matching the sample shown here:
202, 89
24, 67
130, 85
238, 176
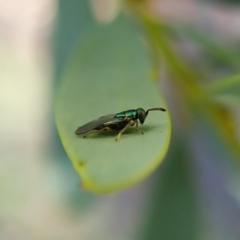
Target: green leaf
173, 212
109, 73
229, 86
73, 21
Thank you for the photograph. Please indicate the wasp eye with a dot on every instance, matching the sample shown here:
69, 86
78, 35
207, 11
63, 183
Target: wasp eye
141, 115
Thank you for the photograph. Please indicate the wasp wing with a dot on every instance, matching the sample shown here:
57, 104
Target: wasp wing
97, 123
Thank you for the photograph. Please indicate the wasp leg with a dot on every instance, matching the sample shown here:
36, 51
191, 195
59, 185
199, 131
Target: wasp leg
138, 129
132, 122
97, 132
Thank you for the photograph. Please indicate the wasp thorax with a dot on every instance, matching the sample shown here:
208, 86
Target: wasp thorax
141, 115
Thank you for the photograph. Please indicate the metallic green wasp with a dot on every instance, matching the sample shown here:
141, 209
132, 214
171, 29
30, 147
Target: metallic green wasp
118, 121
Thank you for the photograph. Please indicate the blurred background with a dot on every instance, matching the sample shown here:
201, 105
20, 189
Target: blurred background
194, 194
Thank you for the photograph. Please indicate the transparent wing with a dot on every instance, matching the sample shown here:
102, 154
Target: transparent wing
95, 124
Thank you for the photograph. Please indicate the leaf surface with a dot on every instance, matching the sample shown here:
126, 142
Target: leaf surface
109, 73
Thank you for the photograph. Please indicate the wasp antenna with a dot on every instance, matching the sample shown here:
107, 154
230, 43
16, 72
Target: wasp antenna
155, 109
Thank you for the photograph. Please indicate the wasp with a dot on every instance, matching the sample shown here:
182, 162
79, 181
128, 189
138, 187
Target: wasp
117, 122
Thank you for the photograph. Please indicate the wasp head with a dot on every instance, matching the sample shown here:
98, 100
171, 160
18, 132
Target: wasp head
141, 114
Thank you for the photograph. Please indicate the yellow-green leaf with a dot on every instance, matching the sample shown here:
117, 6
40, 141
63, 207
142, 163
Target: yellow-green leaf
229, 86
108, 73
